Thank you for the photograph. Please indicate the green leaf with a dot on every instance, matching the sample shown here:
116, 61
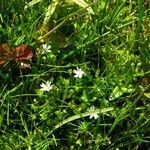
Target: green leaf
147, 95
39, 92
119, 91
75, 117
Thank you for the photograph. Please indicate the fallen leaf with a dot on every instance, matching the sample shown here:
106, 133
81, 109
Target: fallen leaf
23, 52
19, 54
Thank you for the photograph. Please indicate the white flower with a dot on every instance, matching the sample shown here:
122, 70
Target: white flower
95, 116
46, 86
78, 73
46, 49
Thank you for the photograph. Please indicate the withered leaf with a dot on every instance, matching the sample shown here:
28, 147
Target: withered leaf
20, 53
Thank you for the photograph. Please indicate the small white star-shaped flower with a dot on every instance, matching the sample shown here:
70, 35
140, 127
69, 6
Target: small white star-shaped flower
95, 116
46, 86
78, 73
46, 49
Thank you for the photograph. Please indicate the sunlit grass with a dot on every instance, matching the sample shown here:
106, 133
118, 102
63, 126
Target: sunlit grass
88, 86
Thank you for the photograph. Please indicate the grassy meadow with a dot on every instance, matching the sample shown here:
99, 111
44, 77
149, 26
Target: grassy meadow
87, 85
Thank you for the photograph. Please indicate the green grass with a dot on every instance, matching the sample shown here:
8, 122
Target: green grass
110, 42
